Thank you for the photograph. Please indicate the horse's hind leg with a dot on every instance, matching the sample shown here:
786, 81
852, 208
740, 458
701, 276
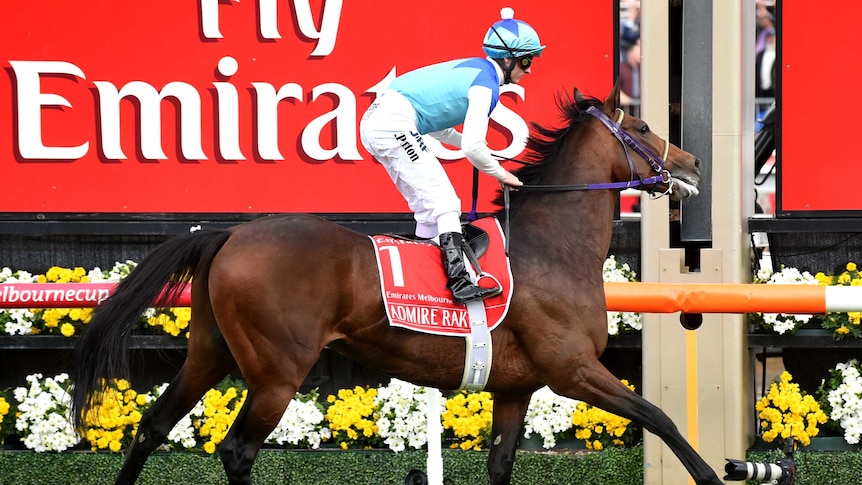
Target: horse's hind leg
508, 424
596, 385
273, 373
207, 363
259, 415
273, 379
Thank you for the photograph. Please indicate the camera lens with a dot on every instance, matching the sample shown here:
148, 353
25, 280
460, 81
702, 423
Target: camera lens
738, 470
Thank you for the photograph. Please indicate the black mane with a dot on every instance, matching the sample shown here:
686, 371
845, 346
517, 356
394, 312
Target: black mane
545, 143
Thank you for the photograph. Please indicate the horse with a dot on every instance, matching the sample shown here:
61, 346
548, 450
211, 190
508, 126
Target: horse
270, 294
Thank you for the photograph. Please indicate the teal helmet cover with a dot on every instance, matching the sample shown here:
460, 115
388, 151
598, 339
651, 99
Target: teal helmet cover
511, 38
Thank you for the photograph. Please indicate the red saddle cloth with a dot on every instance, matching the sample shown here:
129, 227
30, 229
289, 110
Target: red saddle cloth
414, 283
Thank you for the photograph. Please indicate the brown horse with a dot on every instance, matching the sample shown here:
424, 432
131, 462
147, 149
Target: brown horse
269, 295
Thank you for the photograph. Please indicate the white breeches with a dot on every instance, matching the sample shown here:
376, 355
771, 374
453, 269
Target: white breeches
388, 131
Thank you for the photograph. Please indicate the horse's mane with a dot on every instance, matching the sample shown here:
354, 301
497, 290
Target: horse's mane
545, 144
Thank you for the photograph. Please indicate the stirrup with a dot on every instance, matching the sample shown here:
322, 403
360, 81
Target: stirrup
468, 291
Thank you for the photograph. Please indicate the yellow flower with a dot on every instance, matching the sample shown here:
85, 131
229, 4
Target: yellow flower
53, 273
851, 266
786, 412
209, 447
112, 425
844, 278
352, 418
599, 428
823, 279
52, 317
67, 329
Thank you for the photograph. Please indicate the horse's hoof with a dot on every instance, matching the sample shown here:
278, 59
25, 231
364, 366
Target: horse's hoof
416, 477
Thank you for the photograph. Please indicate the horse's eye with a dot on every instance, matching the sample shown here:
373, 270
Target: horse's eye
644, 129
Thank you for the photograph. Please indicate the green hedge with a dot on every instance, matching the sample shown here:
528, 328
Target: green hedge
612, 466
819, 467
616, 466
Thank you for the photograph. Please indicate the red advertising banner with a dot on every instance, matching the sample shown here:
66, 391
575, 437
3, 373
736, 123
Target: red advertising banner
220, 106
819, 166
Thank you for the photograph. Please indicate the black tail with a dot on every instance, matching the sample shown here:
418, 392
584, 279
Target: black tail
102, 352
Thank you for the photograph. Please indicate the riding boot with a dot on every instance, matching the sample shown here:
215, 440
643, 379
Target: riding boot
463, 289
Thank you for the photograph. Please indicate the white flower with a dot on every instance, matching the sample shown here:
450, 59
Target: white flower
302, 423
549, 415
44, 422
846, 400
121, 270
620, 322
16, 321
403, 421
9, 276
779, 322
96, 275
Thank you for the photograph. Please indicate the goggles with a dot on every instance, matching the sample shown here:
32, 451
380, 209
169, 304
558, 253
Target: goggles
524, 61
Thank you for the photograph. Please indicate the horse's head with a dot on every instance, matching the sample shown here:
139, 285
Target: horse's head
648, 161
601, 148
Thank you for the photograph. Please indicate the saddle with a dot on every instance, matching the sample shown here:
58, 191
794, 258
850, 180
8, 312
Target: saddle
476, 239
413, 283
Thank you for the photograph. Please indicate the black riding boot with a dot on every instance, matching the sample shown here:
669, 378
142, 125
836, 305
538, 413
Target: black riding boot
463, 289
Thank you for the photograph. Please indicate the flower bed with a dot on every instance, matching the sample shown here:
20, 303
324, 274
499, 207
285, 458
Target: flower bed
392, 417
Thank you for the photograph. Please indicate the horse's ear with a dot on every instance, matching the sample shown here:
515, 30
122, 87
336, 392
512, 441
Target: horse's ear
613, 99
578, 96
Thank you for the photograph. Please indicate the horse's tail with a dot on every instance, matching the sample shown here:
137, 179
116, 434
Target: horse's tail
102, 352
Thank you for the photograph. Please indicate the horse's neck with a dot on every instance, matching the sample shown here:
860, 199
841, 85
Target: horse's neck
576, 229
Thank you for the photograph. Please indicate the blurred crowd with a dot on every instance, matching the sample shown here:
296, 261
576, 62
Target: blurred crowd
630, 55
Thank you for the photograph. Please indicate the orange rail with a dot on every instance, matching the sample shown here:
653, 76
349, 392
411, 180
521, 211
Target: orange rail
716, 298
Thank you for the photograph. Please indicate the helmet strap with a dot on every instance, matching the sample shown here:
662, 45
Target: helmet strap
507, 68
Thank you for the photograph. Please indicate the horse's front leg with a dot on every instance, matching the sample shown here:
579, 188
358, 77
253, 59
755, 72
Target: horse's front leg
596, 385
508, 424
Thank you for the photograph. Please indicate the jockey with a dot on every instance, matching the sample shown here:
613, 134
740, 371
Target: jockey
433, 100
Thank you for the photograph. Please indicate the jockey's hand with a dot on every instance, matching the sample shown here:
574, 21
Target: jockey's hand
511, 180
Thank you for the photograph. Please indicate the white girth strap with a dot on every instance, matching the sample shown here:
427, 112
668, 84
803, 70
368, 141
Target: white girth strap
477, 364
